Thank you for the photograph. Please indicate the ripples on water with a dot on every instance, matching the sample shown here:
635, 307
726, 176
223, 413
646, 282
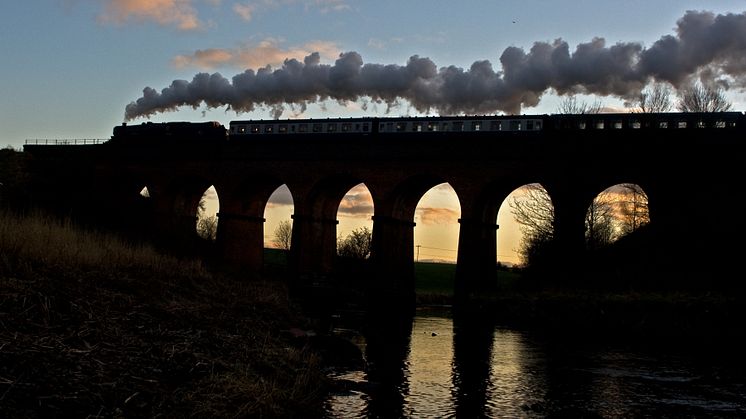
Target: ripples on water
436, 369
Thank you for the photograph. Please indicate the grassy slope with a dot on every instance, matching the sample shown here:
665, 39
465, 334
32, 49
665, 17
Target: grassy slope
90, 325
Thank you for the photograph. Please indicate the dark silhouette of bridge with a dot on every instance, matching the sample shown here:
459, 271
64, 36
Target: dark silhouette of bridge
691, 173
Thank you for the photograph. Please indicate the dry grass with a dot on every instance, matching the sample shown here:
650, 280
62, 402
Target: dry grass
93, 326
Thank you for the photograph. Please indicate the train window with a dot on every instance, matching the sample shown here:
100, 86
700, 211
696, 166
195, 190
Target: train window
316, 127
417, 126
530, 125
476, 125
365, 127
662, 124
283, 129
302, 128
268, 129
600, 125
346, 127
496, 126
701, 124
357, 127
458, 126
432, 126
255, 129
681, 124
617, 125
635, 124
732, 124
331, 127
719, 124
537, 126
515, 125
401, 126
581, 125
445, 126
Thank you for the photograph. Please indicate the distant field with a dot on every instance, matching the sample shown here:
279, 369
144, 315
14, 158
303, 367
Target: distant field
432, 279
438, 279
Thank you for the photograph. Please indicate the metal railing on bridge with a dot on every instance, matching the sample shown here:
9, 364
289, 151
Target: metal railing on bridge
71, 141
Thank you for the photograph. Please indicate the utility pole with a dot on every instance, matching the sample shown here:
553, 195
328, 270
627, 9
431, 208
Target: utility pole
417, 258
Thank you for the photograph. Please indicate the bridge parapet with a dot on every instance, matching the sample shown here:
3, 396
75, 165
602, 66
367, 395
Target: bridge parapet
65, 141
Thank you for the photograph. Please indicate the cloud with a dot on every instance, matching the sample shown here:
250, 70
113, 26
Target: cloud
357, 203
245, 11
266, 52
281, 197
708, 46
431, 216
326, 6
178, 13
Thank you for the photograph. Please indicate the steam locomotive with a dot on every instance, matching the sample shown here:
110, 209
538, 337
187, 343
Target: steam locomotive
390, 126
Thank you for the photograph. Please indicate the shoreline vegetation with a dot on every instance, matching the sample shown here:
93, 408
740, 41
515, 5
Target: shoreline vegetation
93, 325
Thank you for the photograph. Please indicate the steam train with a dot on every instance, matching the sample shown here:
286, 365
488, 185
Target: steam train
391, 126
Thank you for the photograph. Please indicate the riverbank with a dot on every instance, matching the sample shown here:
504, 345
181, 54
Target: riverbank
93, 326
610, 315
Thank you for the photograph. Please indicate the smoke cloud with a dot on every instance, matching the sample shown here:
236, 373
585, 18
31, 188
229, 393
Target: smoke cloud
711, 47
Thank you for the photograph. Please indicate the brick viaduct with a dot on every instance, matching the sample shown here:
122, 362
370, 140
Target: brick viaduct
691, 176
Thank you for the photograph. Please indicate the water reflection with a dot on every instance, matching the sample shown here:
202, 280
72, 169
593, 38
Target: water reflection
473, 348
434, 365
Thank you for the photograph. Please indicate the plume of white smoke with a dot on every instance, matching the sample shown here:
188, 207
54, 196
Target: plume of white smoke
705, 45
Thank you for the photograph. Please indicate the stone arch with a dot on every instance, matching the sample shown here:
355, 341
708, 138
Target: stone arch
119, 201
315, 224
393, 234
241, 220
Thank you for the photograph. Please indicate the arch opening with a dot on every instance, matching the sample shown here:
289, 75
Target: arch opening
436, 235
207, 218
278, 224
615, 212
526, 220
355, 223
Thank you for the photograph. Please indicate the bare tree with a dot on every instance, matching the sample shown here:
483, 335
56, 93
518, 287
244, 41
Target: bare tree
356, 245
600, 219
284, 234
698, 97
633, 208
533, 210
655, 98
207, 227
571, 105
610, 215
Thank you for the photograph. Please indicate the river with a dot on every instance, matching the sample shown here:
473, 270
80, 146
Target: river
438, 366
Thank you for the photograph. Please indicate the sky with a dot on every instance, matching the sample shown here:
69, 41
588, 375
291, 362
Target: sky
77, 68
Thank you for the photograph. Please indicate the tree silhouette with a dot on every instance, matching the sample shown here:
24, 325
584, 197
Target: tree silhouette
284, 234
207, 227
571, 105
356, 245
698, 97
633, 208
655, 99
615, 212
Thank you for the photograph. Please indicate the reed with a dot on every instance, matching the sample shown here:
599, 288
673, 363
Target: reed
93, 325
